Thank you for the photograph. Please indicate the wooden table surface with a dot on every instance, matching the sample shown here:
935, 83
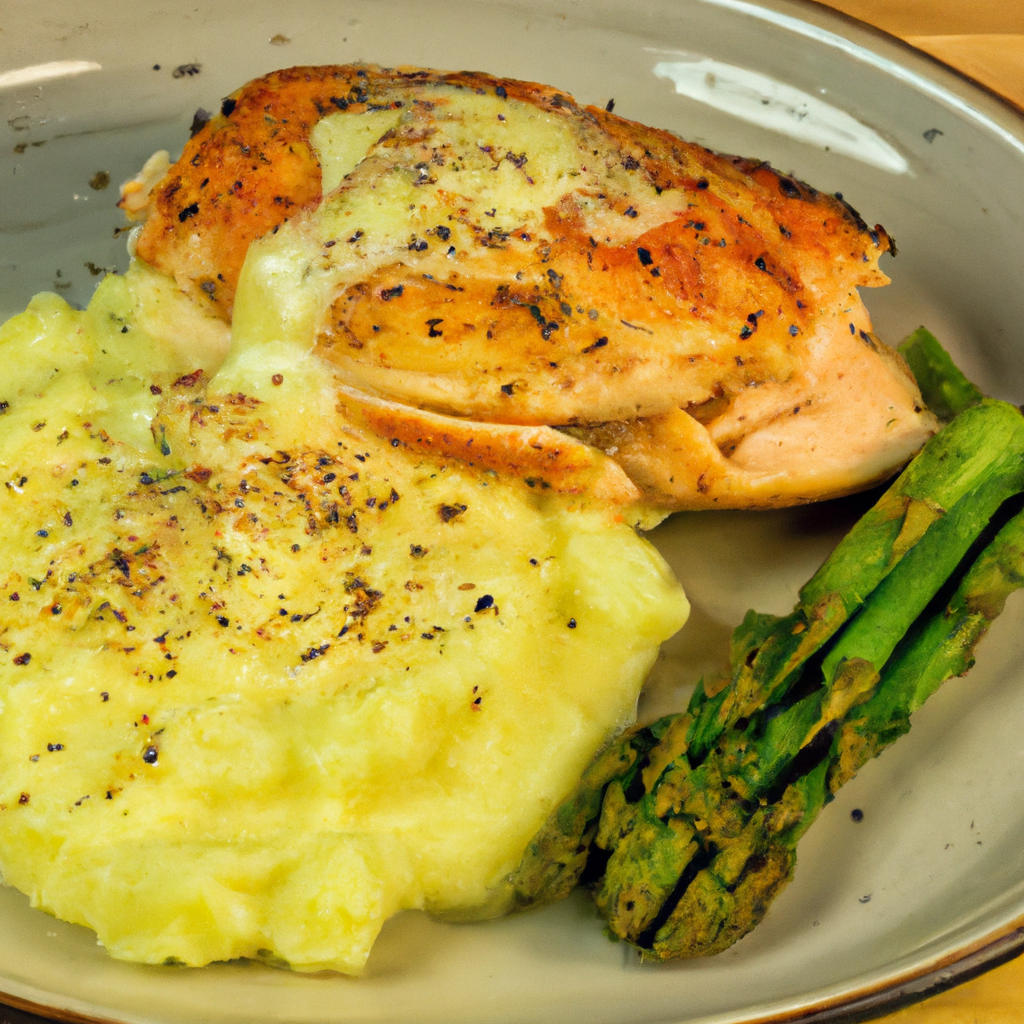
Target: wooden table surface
984, 39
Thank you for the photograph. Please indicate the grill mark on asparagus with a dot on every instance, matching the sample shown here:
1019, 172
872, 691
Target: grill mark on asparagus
700, 860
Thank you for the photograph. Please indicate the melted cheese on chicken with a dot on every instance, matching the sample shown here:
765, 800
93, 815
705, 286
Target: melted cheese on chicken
489, 250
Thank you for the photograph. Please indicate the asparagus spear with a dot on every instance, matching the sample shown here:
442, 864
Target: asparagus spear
944, 388
722, 902
976, 460
698, 833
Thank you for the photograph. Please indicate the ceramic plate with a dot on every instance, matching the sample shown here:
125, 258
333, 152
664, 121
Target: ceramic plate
929, 885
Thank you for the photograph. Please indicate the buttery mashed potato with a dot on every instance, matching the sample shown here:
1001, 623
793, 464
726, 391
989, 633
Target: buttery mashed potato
267, 678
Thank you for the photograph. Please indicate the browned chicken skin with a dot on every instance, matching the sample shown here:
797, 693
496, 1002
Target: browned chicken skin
558, 265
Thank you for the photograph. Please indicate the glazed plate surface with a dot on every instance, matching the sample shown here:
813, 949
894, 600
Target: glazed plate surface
929, 885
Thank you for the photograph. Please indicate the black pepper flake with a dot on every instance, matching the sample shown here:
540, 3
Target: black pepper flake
857, 814
443, 232
295, 547
227, 108
501, 92
745, 333
572, 623
447, 513
150, 755
387, 294
506, 389
22, 659
42, 533
644, 255
702, 183
600, 343
432, 324
54, 746
483, 603
23, 799
329, 477
172, 673
760, 264
629, 211
352, 523
223, 620
315, 652
793, 330
189, 211
417, 550
105, 696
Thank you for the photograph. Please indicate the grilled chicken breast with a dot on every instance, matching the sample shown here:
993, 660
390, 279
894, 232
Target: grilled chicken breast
490, 251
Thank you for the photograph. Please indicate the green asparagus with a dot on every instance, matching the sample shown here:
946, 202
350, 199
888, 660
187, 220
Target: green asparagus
686, 829
944, 388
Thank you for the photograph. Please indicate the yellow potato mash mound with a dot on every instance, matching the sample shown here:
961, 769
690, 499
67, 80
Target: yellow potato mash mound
267, 678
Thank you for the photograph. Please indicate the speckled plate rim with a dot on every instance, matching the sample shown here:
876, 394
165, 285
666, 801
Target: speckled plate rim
1004, 943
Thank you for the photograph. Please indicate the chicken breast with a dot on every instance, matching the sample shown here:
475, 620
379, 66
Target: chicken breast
490, 251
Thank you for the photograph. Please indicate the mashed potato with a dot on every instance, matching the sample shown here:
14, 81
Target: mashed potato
266, 676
